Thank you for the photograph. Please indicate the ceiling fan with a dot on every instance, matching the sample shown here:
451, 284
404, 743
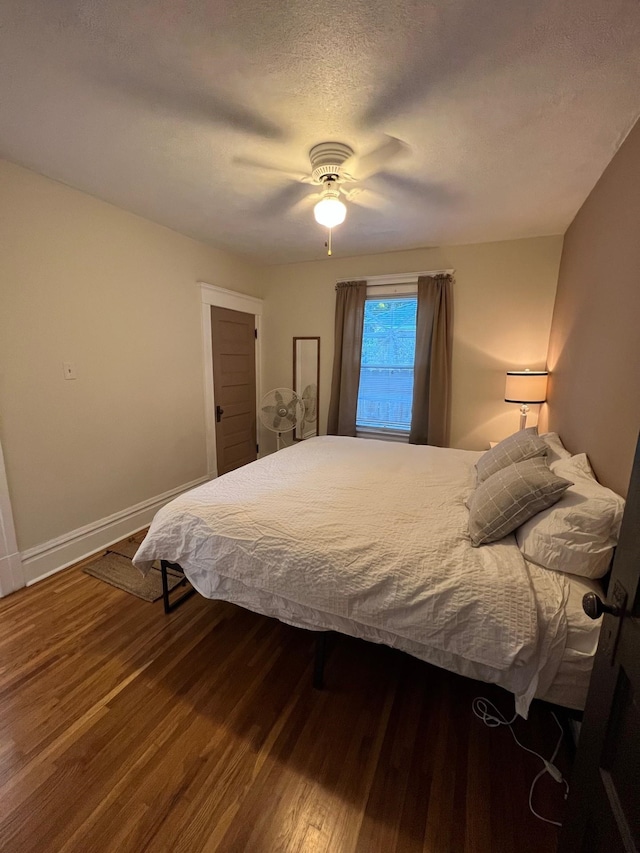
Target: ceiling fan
335, 168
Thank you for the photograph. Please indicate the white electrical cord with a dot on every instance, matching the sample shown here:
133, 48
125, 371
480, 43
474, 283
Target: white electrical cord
493, 719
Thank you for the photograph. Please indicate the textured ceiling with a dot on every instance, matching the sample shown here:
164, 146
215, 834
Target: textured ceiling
511, 111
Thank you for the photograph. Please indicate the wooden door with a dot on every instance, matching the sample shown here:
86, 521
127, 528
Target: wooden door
233, 343
603, 812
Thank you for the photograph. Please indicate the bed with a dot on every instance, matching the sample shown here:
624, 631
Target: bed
369, 538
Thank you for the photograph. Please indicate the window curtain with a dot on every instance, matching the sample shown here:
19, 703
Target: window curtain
350, 299
432, 371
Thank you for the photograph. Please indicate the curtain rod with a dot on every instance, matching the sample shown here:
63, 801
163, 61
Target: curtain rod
403, 278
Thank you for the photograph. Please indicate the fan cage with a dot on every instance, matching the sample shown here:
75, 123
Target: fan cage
281, 411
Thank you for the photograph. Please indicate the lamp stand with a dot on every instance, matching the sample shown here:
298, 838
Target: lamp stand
524, 411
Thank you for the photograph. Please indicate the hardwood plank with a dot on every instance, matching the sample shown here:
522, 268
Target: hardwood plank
122, 729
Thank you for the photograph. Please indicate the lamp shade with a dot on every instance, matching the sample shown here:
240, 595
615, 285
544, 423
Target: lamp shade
526, 386
330, 211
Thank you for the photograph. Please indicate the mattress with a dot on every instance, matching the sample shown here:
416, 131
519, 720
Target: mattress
570, 683
370, 538
567, 683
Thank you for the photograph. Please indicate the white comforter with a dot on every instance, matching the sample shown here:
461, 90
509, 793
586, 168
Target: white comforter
370, 538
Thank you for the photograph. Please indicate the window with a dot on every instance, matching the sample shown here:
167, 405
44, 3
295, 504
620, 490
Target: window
385, 395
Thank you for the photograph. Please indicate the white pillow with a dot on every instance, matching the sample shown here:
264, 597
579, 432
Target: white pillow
556, 449
579, 533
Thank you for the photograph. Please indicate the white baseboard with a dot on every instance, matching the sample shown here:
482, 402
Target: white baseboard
60, 553
11, 577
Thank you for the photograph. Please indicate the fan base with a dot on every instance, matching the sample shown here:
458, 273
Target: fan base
327, 159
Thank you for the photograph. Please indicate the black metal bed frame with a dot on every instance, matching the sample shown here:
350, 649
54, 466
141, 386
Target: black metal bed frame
170, 606
321, 637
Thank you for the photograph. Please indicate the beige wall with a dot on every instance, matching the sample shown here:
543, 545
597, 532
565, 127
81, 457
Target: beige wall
503, 300
594, 350
83, 281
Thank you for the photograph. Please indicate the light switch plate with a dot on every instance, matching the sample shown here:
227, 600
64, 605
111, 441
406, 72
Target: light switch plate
69, 370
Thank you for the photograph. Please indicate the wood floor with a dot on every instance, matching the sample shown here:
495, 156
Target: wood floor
123, 729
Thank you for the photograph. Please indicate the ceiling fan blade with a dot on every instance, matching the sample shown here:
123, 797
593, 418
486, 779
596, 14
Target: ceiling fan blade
367, 198
182, 97
426, 192
266, 167
306, 202
362, 167
283, 200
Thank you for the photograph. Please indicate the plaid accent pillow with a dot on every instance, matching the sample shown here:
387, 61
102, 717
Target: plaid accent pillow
512, 496
522, 445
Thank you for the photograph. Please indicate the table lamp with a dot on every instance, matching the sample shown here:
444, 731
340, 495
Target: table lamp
524, 387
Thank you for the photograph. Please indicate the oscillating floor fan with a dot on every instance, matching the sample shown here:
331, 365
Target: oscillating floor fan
310, 400
281, 410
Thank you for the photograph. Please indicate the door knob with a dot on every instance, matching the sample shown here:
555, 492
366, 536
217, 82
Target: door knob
219, 413
594, 606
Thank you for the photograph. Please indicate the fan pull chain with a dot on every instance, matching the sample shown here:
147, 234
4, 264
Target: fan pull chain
328, 244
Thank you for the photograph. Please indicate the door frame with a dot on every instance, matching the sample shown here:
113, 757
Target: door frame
220, 297
11, 569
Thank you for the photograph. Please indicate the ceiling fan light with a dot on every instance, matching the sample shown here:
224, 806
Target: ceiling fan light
330, 212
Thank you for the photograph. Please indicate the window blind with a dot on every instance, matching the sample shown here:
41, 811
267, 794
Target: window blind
385, 394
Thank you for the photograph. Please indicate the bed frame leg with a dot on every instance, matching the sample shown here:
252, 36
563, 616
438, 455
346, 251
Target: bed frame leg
318, 667
170, 606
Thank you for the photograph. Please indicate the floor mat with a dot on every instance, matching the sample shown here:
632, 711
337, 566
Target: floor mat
117, 570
